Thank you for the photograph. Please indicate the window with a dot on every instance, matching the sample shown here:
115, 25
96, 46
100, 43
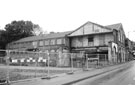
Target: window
52, 42
59, 41
102, 39
96, 28
64, 41
25, 44
41, 43
29, 43
119, 36
21, 45
79, 41
46, 42
52, 51
35, 44
90, 41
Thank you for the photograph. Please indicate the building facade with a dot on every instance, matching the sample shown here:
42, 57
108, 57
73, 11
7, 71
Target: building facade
120, 41
129, 49
53, 42
90, 38
93, 38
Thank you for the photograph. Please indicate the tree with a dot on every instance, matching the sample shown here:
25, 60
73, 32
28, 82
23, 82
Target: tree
17, 30
20, 29
2, 39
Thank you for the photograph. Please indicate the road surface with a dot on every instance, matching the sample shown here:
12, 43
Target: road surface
124, 76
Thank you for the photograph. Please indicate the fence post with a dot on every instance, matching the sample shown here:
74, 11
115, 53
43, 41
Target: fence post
8, 70
71, 64
35, 68
48, 70
86, 62
36, 64
48, 67
107, 62
105, 59
98, 61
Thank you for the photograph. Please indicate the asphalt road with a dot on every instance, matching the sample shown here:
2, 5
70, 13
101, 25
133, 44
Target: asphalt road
121, 76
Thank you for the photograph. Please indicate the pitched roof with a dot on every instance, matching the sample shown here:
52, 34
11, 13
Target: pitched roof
104, 27
63, 34
45, 36
115, 26
100, 25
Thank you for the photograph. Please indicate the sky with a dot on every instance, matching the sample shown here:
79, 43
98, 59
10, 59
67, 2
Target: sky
67, 15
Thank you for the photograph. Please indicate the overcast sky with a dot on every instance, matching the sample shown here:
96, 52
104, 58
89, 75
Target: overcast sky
66, 15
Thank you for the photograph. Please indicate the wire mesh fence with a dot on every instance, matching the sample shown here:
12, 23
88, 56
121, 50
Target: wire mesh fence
36, 64
99, 60
86, 61
3, 67
19, 65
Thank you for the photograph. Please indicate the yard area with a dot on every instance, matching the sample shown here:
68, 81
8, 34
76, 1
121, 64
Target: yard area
26, 72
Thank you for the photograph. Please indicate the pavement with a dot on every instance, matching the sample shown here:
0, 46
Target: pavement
121, 76
69, 79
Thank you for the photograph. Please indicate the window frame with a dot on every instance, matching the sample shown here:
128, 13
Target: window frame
48, 42
41, 43
52, 42
59, 41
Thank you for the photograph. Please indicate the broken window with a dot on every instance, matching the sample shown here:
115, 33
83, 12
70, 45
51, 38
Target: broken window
91, 41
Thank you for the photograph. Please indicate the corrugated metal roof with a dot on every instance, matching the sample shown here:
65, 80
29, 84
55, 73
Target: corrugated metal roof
45, 36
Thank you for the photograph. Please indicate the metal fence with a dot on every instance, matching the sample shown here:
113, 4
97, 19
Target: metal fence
3, 67
19, 65
97, 60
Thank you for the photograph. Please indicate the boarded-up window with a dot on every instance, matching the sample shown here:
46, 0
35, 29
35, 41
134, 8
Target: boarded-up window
41, 43
35, 44
59, 41
79, 41
102, 39
47, 42
64, 41
52, 42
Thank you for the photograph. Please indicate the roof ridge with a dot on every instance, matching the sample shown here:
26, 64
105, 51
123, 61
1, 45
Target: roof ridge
114, 24
44, 36
104, 27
